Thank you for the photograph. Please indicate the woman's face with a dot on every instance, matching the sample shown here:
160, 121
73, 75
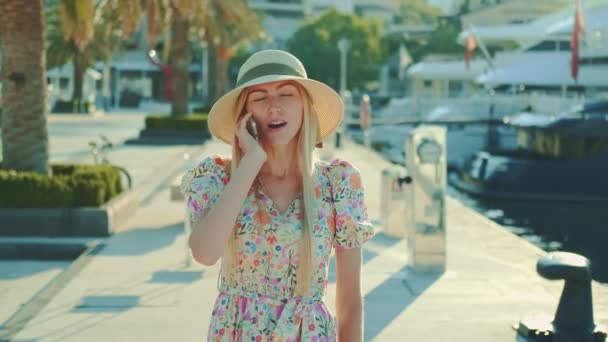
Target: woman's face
277, 110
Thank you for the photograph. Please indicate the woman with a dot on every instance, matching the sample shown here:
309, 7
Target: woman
272, 213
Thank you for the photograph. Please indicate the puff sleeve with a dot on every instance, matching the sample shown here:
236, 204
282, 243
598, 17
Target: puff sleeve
203, 185
353, 227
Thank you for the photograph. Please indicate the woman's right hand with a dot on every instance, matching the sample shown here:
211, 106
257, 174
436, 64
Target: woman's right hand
249, 146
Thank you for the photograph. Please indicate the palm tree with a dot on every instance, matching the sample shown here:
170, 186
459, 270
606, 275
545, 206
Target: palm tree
226, 25
81, 32
222, 24
84, 33
180, 25
24, 124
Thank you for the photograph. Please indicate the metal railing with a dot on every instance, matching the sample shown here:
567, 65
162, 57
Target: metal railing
464, 109
99, 153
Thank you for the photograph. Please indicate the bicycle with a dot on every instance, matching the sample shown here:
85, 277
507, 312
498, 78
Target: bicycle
99, 152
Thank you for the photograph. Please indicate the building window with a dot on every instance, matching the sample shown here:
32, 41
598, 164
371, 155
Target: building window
64, 83
455, 88
594, 61
564, 45
547, 45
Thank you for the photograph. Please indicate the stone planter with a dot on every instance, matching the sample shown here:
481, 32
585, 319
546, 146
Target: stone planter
70, 107
82, 222
170, 136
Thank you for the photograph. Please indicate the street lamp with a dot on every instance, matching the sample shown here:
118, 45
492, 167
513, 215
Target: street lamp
343, 46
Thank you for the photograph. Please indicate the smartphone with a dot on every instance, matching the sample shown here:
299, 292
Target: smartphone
252, 128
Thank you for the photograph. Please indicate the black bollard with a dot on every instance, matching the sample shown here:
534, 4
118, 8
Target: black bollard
338, 144
404, 180
574, 317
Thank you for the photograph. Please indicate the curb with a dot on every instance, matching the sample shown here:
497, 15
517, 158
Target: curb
29, 310
87, 221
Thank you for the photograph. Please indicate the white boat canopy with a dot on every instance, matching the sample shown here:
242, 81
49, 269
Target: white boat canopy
447, 70
545, 69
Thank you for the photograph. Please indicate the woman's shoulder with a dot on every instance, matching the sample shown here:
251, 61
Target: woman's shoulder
337, 165
214, 166
214, 162
341, 173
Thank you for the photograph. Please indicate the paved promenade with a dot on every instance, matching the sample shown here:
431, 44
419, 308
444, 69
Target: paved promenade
139, 287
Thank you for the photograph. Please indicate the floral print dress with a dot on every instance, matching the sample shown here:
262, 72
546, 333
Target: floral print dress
256, 302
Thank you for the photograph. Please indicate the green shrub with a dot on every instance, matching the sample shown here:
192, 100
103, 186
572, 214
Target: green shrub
88, 192
108, 175
32, 190
70, 186
190, 121
70, 106
203, 109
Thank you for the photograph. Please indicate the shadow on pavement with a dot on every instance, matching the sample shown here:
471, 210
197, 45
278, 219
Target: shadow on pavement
26, 268
367, 255
141, 241
385, 240
148, 289
391, 298
175, 277
107, 303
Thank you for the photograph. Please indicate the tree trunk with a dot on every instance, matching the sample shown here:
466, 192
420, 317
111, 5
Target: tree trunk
24, 97
212, 72
221, 74
180, 64
78, 80
218, 74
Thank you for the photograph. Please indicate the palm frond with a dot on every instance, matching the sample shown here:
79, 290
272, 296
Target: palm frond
130, 12
77, 21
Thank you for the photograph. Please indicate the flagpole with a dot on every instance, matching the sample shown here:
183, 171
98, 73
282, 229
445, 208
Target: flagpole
482, 46
583, 13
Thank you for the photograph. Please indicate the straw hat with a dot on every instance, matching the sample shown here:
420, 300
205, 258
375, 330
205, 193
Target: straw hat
270, 66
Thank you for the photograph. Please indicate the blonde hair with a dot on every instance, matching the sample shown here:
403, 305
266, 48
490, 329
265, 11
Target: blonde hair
307, 138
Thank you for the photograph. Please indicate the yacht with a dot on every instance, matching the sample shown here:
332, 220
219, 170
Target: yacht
562, 157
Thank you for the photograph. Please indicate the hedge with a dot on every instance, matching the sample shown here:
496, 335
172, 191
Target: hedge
70, 186
190, 121
71, 106
202, 109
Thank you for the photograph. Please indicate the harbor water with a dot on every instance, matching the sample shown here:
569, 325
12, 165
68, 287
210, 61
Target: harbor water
550, 225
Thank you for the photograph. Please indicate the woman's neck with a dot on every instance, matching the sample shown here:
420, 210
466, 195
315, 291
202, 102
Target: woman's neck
281, 161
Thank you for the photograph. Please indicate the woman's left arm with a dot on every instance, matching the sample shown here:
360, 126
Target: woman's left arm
349, 303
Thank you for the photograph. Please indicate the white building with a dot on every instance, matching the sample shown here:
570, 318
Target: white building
444, 76
453, 7
61, 85
542, 62
512, 12
282, 18
536, 76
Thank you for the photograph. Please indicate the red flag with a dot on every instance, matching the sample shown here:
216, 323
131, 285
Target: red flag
167, 73
579, 26
471, 45
365, 111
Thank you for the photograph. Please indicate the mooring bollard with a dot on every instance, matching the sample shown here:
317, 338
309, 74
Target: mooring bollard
394, 208
176, 195
426, 163
574, 317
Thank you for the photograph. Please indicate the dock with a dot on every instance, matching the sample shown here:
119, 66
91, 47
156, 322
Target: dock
137, 286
